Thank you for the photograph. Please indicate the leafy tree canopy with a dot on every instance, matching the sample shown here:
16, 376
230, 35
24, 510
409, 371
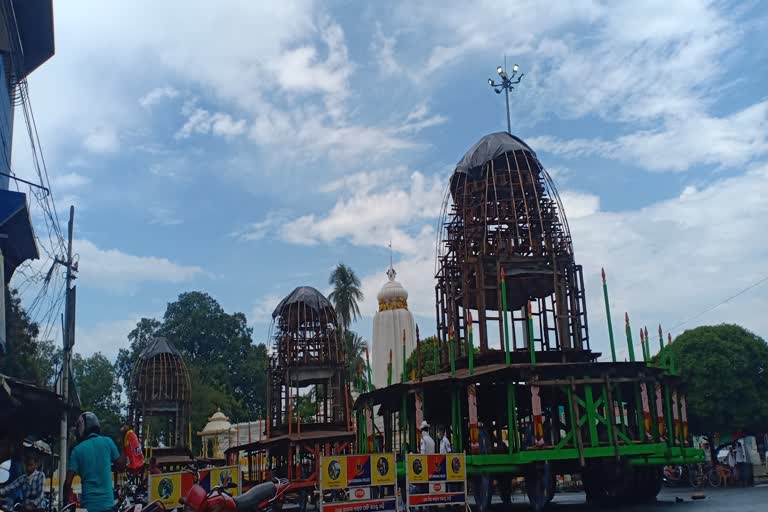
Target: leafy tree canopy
726, 370
99, 390
26, 357
227, 369
427, 349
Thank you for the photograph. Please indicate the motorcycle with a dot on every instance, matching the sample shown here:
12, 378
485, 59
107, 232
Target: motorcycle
265, 497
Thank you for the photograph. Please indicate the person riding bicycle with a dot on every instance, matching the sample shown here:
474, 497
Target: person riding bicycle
31, 484
92, 459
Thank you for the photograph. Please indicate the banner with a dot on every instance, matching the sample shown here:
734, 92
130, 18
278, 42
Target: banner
436, 479
333, 474
167, 488
456, 471
358, 483
417, 468
384, 470
170, 487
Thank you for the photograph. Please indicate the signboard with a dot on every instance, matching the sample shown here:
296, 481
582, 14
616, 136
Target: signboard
358, 483
170, 487
436, 479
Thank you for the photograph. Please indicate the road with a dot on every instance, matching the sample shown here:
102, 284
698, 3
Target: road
753, 499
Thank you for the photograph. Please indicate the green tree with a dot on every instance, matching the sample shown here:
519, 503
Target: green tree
26, 357
726, 370
99, 390
221, 346
346, 294
355, 346
206, 398
427, 349
227, 369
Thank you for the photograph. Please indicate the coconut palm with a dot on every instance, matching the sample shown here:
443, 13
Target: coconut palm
346, 294
355, 346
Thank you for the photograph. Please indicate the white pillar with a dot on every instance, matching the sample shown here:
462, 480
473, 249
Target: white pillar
3, 340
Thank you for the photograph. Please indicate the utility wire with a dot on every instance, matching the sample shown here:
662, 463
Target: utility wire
741, 292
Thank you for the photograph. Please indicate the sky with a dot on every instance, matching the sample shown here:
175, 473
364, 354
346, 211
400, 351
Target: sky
245, 148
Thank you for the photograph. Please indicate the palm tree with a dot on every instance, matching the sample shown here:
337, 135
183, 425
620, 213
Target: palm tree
355, 346
345, 295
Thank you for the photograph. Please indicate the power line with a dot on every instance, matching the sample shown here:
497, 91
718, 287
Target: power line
741, 292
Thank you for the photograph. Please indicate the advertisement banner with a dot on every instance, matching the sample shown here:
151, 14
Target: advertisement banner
436, 468
417, 468
436, 479
223, 477
333, 474
455, 469
384, 471
359, 483
358, 470
167, 488
361, 506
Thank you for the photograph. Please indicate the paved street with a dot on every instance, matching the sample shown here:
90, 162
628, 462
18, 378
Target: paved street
721, 500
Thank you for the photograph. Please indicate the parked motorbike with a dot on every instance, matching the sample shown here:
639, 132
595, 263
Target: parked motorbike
265, 497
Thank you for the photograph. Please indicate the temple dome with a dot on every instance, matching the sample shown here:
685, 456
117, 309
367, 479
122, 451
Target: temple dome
217, 423
392, 295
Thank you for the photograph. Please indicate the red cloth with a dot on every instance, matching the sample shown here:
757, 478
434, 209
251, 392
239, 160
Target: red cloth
132, 450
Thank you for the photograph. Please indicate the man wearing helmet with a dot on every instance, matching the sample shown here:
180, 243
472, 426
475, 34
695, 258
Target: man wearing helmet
92, 459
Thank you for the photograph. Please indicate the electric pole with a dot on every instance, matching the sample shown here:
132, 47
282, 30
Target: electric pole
68, 335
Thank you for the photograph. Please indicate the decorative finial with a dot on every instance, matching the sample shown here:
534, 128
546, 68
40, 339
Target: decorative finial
391, 274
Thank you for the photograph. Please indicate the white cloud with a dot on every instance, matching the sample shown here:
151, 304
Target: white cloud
103, 140
579, 204
259, 230
201, 122
729, 141
373, 218
157, 95
383, 51
112, 269
69, 181
262, 310
419, 119
672, 259
107, 337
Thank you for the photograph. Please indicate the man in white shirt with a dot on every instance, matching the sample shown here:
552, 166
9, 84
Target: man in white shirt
427, 443
445, 444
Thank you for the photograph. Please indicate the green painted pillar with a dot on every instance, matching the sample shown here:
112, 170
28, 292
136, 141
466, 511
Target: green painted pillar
531, 344
608, 317
504, 313
630, 345
471, 346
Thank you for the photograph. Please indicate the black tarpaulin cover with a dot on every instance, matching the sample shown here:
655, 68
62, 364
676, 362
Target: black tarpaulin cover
486, 149
159, 346
307, 295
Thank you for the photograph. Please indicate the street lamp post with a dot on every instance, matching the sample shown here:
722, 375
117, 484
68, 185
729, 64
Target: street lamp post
507, 84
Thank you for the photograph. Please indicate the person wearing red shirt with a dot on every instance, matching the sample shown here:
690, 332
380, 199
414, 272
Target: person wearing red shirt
134, 456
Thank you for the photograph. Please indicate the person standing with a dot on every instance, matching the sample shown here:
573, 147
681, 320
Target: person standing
427, 443
30, 485
92, 459
741, 457
445, 443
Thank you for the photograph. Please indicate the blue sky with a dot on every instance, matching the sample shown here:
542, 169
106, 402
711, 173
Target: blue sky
245, 148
